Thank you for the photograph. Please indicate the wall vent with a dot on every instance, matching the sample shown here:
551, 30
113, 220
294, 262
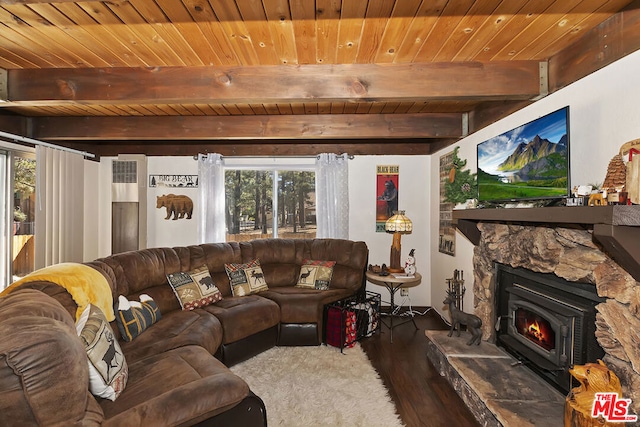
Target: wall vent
129, 203
125, 172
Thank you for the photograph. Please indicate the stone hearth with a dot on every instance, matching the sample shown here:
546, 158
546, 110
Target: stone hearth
497, 390
569, 253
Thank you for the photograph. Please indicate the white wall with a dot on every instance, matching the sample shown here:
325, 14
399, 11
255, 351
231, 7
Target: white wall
413, 197
168, 232
604, 115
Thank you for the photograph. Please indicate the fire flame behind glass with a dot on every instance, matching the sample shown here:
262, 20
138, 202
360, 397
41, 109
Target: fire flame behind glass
535, 328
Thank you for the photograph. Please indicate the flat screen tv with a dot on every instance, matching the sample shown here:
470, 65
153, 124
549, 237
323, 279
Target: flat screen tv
530, 162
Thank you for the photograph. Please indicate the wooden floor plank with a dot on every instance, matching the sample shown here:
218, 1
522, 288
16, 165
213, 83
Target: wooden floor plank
421, 395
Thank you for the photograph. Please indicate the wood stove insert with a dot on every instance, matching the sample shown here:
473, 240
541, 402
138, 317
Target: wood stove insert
546, 322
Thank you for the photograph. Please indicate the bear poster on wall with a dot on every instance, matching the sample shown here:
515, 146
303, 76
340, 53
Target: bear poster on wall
178, 206
386, 194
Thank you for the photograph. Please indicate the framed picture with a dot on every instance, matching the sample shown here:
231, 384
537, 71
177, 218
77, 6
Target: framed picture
387, 189
447, 233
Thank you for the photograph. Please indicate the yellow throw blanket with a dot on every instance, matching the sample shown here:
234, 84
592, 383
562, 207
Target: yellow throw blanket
85, 284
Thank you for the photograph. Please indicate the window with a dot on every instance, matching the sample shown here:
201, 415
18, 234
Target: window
17, 212
24, 202
253, 212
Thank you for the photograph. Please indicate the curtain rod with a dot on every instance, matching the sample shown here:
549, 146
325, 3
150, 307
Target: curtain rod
45, 144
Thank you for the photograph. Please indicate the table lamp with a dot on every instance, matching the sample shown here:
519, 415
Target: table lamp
398, 224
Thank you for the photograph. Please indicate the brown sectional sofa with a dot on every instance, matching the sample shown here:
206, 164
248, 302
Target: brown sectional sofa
178, 368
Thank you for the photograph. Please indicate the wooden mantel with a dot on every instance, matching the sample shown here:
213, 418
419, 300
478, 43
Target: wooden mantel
616, 227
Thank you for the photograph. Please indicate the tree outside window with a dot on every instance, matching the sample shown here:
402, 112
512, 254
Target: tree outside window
24, 185
250, 204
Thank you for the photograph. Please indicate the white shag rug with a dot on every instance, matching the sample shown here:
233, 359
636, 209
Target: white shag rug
319, 386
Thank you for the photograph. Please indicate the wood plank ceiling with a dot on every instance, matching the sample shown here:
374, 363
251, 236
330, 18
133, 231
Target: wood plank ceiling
286, 77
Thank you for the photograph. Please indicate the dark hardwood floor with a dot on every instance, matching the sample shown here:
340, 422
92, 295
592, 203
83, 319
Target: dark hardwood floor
422, 396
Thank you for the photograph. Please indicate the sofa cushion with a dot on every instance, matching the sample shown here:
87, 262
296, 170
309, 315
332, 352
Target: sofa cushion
108, 369
42, 363
351, 260
299, 305
56, 292
175, 329
315, 274
215, 256
280, 259
247, 278
244, 316
177, 387
195, 288
134, 317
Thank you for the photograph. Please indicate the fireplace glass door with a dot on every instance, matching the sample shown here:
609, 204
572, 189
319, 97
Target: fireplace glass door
535, 328
538, 330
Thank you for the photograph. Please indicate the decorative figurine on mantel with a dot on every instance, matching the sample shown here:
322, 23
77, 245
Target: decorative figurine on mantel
615, 182
621, 185
630, 151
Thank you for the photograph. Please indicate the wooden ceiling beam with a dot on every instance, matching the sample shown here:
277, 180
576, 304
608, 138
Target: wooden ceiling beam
14, 124
322, 126
490, 112
255, 147
508, 80
615, 38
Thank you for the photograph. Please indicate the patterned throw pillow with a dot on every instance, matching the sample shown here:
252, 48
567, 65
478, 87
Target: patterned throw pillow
133, 317
195, 288
108, 370
315, 274
246, 278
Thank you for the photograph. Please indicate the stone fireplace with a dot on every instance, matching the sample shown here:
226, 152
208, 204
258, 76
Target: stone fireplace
570, 253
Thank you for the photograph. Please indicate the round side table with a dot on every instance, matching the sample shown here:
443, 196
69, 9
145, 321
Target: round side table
393, 284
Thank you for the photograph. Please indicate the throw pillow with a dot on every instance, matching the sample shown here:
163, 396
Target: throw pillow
108, 370
195, 288
133, 317
246, 278
315, 274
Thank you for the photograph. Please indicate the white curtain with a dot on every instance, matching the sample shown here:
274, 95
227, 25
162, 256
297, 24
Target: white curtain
59, 207
211, 219
332, 196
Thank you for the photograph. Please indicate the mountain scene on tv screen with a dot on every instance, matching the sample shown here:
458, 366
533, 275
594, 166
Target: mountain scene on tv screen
520, 166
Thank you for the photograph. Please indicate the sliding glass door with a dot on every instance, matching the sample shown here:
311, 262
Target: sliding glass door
5, 220
23, 228
17, 214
